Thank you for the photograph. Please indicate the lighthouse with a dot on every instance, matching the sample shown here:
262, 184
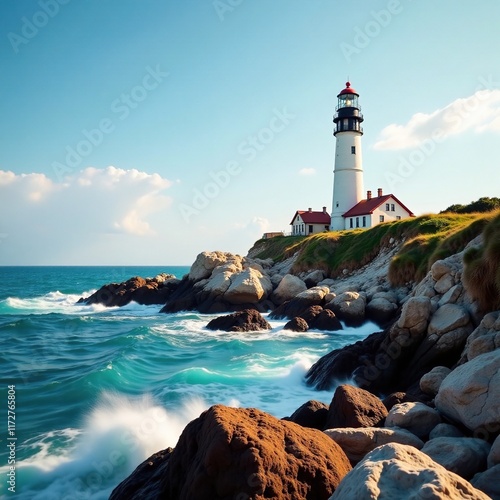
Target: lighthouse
348, 187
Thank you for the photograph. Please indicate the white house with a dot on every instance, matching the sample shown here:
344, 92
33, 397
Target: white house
374, 210
306, 222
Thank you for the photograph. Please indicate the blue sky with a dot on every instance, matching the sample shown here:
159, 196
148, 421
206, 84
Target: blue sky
144, 132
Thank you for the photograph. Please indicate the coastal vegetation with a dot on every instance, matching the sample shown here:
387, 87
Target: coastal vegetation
420, 242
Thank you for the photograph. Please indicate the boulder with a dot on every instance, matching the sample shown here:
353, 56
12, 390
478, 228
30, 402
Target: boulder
415, 315
452, 295
206, 262
248, 320
143, 482
401, 471
314, 277
417, 418
445, 430
485, 338
448, 318
357, 442
494, 454
288, 288
380, 310
354, 407
300, 303
488, 482
246, 453
431, 381
348, 307
145, 291
321, 319
297, 324
247, 287
470, 394
440, 268
312, 414
444, 283
461, 455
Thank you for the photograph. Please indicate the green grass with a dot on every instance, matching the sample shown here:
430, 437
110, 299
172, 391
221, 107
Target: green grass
425, 239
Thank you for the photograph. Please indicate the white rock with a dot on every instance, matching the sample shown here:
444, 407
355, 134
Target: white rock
445, 430
397, 471
358, 441
448, 318
415, 314
462, 455
444, 283
249, 286
431, 381
440, 268
289, 287
470, 394
417, 418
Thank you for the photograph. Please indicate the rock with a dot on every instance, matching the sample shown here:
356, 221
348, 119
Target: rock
288, 288
461, 455
445, 430
494, 454
444, 283
297, 324
312, 414
380, 310
357, 442
206, 262
246, 453
439, 269
488, 482
339, 364
415, 315
143, 482
470, 394
431, 381
396, 471
145, 291
248, 320
448, 318
248, 287
354, 407
451, 296
321, 319
314, 277
300, 303
348, 307
417, 418
485, 338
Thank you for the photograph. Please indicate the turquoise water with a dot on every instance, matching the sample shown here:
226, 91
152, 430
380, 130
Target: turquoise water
98, 390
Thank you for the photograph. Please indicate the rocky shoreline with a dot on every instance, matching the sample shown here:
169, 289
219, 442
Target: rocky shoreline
421, 410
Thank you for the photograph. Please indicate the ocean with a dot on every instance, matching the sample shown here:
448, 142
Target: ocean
88, 392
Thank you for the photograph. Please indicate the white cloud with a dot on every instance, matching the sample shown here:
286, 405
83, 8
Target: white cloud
42, 215
479, 112
307, 171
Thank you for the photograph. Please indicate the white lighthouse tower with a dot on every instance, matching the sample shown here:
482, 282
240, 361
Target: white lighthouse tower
348, 171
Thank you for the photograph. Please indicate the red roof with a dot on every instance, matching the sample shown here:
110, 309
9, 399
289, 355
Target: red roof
365, 207
312, 217
348, 89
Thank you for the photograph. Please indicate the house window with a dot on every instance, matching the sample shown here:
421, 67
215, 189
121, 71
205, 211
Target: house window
353, 150
381, 218
327, 228
387, 207
350, 223
393, 208
337, 204
364, 221
310, 229
398, 217
357, 221
303, 230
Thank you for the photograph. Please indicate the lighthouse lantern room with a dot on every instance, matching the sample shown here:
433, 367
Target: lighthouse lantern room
348, 187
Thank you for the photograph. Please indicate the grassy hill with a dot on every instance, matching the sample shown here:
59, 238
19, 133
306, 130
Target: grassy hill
421, 240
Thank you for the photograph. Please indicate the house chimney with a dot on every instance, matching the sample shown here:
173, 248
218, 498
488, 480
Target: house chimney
379, 192
324, 210
310, 210
368, 195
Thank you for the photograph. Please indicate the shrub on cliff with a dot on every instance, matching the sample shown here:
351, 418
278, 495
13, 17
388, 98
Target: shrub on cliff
482, 268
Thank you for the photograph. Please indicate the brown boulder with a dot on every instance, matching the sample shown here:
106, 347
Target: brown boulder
297, 324
248, 320
312, 414
354, 407
231, 453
